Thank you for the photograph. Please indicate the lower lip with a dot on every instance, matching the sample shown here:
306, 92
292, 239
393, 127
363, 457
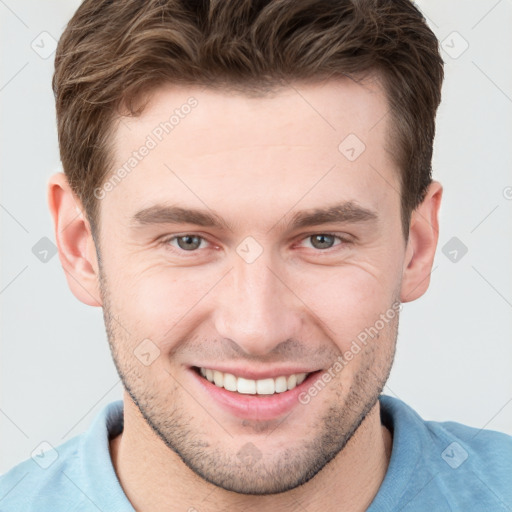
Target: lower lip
255, 407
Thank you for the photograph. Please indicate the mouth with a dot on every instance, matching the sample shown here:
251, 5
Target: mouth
267, 386
253, 399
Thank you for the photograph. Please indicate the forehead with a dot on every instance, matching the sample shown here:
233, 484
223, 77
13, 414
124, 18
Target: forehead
330, 109
309, 142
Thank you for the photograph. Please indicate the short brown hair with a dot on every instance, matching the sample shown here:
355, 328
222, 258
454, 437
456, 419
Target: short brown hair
114, 53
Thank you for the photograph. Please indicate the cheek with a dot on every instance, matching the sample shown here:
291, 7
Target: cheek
158, 302
347, 300
164, 304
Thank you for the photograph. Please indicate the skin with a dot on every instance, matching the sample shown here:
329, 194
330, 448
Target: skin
255, 162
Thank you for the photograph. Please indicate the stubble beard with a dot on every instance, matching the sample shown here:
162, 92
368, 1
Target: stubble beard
224, 467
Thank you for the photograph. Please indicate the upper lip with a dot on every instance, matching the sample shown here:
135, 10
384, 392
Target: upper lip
255, 374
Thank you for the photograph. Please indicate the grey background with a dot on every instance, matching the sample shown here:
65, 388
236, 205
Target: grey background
454, 352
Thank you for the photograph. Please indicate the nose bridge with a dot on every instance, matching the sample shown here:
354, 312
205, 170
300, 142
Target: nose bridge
256, 309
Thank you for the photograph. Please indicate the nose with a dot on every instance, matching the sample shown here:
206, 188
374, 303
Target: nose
257, 308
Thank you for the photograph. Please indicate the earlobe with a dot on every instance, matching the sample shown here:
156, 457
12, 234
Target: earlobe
421, 246
74, 239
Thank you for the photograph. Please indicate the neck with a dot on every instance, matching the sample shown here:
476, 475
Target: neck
153, 476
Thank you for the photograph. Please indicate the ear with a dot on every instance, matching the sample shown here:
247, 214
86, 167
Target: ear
421, 246
77, 251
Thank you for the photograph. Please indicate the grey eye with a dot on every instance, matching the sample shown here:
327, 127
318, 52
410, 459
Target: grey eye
189, 242
322, 241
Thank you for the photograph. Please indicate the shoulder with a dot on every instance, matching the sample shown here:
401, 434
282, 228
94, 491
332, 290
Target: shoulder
75, 475
476, 464
48, 473
453, 464
487, 452
483, 444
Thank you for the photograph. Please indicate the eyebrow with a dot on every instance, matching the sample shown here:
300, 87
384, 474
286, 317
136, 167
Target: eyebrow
345, 212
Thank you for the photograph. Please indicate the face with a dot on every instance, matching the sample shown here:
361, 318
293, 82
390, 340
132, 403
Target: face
258, 287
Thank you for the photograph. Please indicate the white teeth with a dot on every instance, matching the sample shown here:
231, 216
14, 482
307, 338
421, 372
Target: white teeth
246, 386
301, 377
218, 378
229, 382
281, 384
267, 386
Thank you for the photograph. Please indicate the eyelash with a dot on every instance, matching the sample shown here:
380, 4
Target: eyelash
165, 242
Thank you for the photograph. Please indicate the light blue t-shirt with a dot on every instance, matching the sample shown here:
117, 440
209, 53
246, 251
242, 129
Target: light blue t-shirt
434, 467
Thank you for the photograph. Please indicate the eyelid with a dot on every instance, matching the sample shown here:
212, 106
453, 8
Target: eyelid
167, 239
344, 238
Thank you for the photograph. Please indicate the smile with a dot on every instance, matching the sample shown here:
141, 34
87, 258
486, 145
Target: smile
267, 386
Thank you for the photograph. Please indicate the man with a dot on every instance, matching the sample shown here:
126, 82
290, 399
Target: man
248, 196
